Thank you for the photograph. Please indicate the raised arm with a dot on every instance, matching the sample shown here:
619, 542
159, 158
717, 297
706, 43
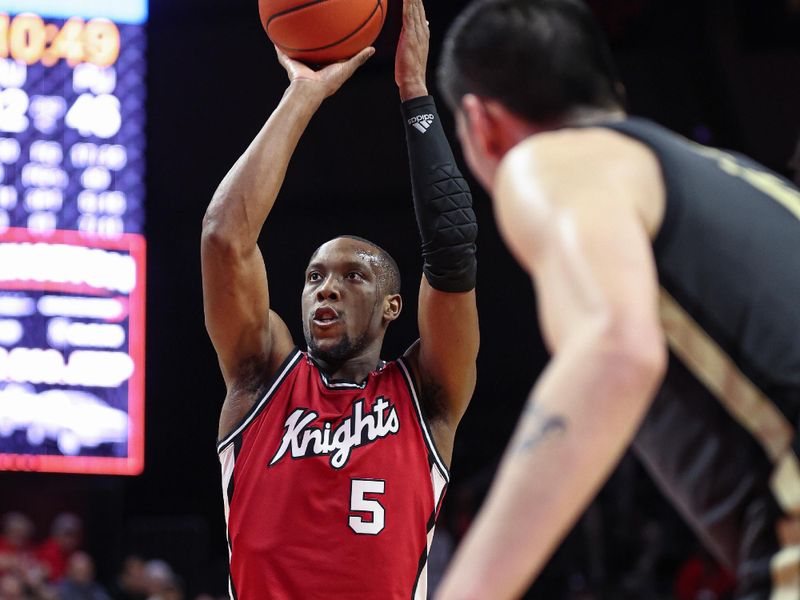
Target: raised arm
235, 293
581, 233
444, 358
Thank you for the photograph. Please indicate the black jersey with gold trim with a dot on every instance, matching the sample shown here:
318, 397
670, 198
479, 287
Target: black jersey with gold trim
721, 437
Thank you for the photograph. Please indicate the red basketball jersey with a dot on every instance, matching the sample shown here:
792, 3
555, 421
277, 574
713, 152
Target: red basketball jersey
332, 489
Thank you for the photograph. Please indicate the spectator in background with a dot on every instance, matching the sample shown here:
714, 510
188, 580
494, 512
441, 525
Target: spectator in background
131, 583
12, 588
701, 578
79, 583
66, 535
34, 578
18, 564
173, 590
16, 552
161, 581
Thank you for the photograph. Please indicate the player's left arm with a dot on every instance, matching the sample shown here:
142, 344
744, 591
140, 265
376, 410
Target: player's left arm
580, 233
444, 358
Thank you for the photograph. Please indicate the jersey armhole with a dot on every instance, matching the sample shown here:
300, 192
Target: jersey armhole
671, 209
671, 206
423, 422
272, 385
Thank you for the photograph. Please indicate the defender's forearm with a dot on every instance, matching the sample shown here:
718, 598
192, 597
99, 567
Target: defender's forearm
442, 201
247, 194
579, 419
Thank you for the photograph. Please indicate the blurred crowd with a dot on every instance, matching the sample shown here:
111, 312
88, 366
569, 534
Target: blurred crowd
629, 545
57, 568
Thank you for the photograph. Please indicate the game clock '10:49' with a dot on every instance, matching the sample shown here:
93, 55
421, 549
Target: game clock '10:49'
29, 39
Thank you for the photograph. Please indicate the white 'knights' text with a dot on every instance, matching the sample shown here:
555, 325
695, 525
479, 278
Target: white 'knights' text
358, 429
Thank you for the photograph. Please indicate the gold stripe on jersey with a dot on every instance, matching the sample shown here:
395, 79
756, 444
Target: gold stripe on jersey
786, 477
786, 574
757, 414
765, 182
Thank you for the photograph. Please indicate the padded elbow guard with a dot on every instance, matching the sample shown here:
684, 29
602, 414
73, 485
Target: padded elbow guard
442, 201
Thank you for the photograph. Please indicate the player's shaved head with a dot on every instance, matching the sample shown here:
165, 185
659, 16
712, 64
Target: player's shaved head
385, 266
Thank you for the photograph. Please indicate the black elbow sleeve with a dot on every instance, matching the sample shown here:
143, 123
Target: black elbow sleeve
442, 201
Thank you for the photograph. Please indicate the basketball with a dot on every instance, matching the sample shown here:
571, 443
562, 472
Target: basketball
322, 31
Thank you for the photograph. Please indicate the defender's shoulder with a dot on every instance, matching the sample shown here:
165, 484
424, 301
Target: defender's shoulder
552, 170
591, 150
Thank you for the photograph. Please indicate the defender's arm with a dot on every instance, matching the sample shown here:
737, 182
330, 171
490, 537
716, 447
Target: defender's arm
445, 356
582, 237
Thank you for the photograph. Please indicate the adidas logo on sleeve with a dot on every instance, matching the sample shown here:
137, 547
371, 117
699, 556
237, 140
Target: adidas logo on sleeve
422, 122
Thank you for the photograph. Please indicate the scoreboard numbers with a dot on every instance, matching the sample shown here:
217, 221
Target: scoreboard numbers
72, 246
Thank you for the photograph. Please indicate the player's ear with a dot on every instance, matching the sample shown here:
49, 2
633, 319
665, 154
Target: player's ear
392, 306
477, 127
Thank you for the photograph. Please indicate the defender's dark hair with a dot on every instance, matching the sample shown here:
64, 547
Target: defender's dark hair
388, 271
539, 58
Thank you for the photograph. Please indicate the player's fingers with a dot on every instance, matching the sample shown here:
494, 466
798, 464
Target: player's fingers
409, 14
423, 19
282, 58
420, 19
413, 12
359, 59
365, 55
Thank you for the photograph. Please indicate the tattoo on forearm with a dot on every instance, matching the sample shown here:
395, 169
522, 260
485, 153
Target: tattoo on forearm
540, 427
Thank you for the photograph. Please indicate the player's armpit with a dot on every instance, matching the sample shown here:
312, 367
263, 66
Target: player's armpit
252, 376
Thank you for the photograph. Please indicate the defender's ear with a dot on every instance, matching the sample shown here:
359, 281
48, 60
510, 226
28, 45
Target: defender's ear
478, 128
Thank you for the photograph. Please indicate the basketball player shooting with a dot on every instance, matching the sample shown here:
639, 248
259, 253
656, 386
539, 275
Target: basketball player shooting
667, 281
334, 462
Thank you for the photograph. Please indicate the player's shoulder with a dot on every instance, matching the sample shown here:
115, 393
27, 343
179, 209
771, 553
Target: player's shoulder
565, 168
581, 156
254, 387
594, 172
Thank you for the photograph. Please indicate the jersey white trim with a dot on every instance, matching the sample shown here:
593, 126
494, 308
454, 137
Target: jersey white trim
421, 587
227, 459
439, 481
257, 409
343, 385
439, 484
423, 423
339, 385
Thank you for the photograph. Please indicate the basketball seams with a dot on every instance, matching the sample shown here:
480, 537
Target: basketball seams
294, 9
378, 6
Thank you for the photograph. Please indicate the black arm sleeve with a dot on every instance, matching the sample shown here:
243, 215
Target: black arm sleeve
442, 201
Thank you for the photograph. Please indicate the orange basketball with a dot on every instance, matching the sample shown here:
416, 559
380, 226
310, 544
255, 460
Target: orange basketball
322, 31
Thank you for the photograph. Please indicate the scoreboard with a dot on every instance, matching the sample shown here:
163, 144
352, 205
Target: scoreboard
72, 247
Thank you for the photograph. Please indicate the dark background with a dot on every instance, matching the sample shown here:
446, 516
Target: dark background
722, 72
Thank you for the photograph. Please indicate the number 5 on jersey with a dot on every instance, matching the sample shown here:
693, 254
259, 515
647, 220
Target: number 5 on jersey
361, 504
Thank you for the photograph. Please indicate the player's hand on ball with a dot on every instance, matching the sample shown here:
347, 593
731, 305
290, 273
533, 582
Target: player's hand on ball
327, 80
411, 60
